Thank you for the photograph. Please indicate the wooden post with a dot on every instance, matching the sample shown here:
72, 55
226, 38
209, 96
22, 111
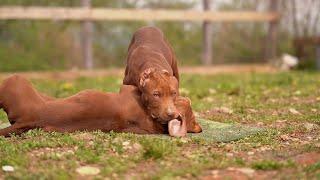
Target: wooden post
207, 37
87, 30
318, 56
272, 37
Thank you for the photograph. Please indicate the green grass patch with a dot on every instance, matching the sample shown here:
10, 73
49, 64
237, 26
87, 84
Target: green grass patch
272, 165
313, 168
254, 98
157, 148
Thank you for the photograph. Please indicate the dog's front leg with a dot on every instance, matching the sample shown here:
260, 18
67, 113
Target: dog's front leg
16, 129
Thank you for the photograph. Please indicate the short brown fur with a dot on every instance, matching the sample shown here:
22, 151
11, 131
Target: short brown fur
88, 110
152, 67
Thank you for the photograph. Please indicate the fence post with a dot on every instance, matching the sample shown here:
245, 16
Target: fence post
87, 30
207, 37
318, 55
272, 37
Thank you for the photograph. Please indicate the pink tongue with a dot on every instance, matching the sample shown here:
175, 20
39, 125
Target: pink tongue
176, 129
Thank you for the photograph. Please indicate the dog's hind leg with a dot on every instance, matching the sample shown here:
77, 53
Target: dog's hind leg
20, 100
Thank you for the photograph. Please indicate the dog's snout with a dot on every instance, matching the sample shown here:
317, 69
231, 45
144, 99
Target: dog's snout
171, 113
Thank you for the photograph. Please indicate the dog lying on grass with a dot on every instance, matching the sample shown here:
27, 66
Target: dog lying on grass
88, 110
152, 67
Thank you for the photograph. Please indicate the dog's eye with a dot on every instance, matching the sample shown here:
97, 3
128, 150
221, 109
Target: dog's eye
174, 93
156, 94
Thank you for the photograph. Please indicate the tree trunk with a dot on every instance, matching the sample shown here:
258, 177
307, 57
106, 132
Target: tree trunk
87, 31
207, 37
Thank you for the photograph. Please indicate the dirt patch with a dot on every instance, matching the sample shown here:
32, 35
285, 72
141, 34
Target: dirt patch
239, 174
236, 68
265, 175
73, 74
58, 152
308, 158
225, 174
142, 168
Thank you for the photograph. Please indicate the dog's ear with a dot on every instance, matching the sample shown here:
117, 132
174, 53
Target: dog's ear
165, 72
183, 101
189, 101
145, 76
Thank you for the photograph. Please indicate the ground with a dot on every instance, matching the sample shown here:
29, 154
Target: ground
287, 105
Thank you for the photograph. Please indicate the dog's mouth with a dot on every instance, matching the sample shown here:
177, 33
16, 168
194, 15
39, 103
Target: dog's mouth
177, 127
159, 119
164, 120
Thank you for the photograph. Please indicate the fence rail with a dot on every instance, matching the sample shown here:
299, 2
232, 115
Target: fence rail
98, 14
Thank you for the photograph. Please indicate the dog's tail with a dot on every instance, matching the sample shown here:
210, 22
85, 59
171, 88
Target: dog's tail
1, 95
3, 86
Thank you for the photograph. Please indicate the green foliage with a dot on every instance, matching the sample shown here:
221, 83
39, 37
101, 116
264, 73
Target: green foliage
33, 46
313, 168
308, 64
272, 165
157, 148
267, 165
45, 45
54, 45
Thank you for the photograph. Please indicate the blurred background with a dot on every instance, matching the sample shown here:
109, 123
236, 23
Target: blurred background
34, 45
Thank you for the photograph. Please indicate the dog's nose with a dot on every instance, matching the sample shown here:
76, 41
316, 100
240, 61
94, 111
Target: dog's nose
172, 114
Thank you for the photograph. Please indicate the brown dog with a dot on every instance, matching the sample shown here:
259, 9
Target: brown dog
88, 110
152, 67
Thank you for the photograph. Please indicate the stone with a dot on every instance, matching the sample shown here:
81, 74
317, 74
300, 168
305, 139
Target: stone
223, 110
294, 111
248, 171
310, 126
212, 91
7, 168
284, 137
88, 170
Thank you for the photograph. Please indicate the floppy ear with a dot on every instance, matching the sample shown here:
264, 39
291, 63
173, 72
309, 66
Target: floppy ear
189, 101
145, 76
196, 128
184, 101
165, 72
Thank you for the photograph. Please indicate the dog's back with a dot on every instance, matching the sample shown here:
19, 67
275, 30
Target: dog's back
151, 38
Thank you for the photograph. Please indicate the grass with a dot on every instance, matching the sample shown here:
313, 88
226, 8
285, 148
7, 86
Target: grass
256, 99
313, 167
271, 165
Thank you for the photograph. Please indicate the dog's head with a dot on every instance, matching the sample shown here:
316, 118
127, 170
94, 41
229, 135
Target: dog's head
183, 105
159, 91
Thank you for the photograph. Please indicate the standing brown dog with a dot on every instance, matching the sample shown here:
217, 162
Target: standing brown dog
152, 67
88, 110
